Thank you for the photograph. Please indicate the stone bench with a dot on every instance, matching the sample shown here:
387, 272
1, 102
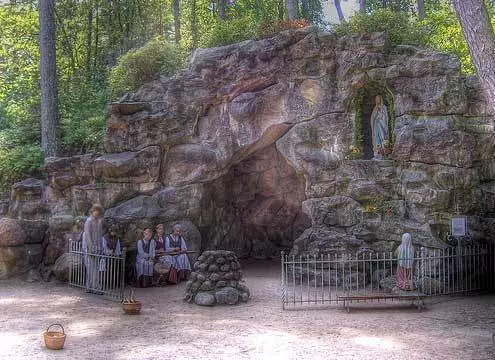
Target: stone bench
417, 297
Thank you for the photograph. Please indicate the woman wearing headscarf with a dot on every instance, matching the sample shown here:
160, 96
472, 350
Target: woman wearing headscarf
145, 258
175, 247
405, 262
164, 262
111, 247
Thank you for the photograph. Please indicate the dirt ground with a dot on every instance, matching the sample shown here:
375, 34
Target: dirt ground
168, 328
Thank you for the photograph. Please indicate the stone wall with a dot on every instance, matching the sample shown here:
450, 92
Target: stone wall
247, 147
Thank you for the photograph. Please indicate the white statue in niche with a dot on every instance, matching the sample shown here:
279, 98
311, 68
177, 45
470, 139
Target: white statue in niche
379, 126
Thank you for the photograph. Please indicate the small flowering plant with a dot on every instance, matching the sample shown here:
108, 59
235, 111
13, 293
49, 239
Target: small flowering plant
386, 148
353, 153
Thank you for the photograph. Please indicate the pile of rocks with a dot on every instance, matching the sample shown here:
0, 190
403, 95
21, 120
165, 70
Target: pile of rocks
216, 279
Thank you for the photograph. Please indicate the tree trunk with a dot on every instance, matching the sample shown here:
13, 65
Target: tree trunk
194, 24
97, 39
421, 9
221, 10
478, 32
339, 10
176, 13
362, 6
384, 3
89, 41
281, 10
48, 78
305, 9
292, 7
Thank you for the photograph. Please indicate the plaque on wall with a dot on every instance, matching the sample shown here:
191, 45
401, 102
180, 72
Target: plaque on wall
459, 226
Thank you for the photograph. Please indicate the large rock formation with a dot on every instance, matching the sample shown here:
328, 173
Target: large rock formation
249, 145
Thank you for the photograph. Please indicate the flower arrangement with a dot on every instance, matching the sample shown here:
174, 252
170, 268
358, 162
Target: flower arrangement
385, 149
381, 207
353, 153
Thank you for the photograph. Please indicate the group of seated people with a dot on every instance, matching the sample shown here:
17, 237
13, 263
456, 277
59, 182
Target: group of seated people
160, 259
163, 258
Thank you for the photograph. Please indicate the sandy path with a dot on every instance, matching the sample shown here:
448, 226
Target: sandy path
453, 328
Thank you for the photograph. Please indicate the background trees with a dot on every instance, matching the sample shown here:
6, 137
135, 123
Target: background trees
478, 31
92, 35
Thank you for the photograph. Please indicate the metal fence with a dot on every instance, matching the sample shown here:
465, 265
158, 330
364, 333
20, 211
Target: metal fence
367, 276
97, 273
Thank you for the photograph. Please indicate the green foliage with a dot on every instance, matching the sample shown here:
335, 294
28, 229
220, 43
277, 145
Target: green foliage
399, 26
231, 31
17, 163
138, 66
445, 35
82, 106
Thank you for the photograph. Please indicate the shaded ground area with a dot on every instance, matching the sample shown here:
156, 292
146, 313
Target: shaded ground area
451, 328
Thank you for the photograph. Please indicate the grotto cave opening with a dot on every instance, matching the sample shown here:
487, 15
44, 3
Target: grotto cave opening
256, 206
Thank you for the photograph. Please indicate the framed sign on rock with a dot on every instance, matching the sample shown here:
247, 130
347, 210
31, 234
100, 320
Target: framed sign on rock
458, 226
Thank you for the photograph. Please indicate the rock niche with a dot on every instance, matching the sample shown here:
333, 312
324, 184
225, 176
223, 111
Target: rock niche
216, 279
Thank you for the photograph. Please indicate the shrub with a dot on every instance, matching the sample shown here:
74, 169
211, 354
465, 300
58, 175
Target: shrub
18, 163
82, 108
270, 29
399, 26
230, 32
147, 63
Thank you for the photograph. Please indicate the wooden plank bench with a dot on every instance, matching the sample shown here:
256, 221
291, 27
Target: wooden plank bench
418, 298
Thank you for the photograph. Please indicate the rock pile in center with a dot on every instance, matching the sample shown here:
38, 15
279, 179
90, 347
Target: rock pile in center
216, 279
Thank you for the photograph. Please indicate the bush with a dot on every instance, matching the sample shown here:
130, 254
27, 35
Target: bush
230, 32
138, 66
270, 29
18, 163
399, 26
82, 109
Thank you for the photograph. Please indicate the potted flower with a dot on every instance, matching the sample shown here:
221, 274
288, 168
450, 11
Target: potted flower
130, 305
386, 149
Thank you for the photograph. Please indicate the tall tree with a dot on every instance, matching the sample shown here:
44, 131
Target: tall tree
362, 6
48, 79
194, 24
292, 7
421, 9
479, 35
221, 10
305, 9
176, 14
280, 9
339, 10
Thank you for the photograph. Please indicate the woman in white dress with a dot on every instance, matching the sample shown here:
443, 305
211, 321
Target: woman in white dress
92, 246
145, 258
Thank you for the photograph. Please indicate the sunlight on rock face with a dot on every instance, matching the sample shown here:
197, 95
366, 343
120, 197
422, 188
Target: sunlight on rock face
377, 342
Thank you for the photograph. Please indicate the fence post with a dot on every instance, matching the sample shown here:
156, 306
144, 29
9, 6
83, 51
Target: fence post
71, 256
282, 262
122, 273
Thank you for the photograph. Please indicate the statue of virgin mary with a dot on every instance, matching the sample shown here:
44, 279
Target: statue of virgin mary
379, 125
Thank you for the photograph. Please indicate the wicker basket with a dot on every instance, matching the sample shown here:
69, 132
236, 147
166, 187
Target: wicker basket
54, 340
133, 308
